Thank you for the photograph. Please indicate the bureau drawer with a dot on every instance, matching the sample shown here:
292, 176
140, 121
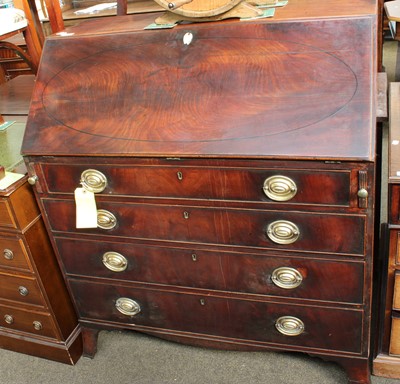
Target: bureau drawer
27, 321
326, 328
294, 231
298, 186
13, 253
254, 274
6, 217
21, 289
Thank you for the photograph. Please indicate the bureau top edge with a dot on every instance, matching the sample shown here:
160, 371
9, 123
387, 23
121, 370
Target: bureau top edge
299, 10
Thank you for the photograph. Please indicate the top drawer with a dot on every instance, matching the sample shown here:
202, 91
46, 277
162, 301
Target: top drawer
18, 209
336, 187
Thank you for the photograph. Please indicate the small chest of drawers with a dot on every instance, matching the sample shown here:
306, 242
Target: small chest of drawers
36, 313
233, 169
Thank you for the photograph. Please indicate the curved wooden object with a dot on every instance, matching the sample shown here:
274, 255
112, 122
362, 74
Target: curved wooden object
20, 52
200, 8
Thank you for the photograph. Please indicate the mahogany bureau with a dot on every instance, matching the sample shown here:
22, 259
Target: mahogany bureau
36, 313
230, 170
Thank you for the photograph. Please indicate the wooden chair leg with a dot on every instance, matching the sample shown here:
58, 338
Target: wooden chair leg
122, 7
55, 15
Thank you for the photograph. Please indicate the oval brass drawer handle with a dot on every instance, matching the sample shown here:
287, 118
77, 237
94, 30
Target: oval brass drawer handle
93, 180
105, 219
289, 326
280, 188
287, 278
8, 254
115, 262
127, 306
283, 232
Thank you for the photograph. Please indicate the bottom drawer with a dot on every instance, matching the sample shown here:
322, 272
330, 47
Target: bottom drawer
271, 322
27, 321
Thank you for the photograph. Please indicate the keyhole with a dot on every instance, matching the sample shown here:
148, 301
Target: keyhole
187, 38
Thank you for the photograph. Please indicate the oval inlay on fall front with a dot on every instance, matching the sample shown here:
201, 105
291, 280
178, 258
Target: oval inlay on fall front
223, 90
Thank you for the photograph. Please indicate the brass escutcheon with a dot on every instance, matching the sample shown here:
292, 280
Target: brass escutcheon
289, 326
115, 262
280, 188
283, 232
93, 180
287, 278
8, 254
105, 219
127, 306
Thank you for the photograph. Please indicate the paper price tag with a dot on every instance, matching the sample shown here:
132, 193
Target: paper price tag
86, 210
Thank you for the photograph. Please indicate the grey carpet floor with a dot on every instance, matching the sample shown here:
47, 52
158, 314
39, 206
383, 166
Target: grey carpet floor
132, 358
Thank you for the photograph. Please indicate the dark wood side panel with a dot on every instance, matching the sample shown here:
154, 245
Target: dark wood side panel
51, 278
68, 353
